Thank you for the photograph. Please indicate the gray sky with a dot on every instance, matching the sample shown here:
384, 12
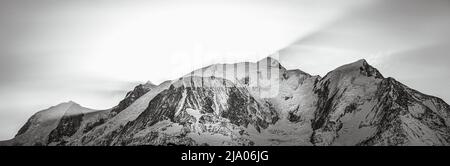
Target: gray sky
405, 39
93, 51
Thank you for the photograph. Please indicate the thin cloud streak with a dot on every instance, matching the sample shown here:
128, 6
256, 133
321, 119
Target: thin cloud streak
403, 38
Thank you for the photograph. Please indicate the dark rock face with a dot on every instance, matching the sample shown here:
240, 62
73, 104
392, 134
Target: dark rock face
240, 108
162, 107
25, 127
370, 71
293, 117
91, 126
396, 109
244, 110
324, 106
132, 96
67, 126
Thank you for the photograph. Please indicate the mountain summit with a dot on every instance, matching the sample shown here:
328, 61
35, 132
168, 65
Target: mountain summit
222, 104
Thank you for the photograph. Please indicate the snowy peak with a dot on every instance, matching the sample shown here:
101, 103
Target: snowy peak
360, 66
48, 116
353, 70
269, 62
149, 84
70, 102
298, 72
201, 82
66, 104
39, 128
356, 64
269, 59
77, 109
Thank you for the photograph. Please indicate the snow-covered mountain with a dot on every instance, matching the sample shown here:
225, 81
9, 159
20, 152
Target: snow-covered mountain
258, 103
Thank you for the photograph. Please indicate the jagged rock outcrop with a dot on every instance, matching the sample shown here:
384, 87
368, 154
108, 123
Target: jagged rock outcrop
132, 96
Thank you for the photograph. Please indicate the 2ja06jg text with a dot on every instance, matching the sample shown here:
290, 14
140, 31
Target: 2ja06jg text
230, 156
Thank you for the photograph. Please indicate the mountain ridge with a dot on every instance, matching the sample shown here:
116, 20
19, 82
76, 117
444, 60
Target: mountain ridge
351, 105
